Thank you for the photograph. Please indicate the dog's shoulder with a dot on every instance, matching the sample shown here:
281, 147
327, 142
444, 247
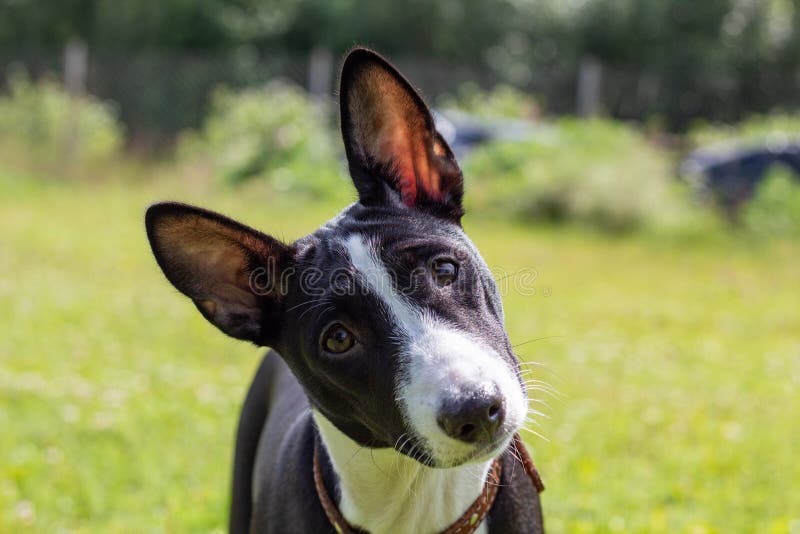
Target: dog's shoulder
517, 508
273, 489
285, 497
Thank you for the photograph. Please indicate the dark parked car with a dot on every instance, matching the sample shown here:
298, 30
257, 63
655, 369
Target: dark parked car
730, 176
465, 132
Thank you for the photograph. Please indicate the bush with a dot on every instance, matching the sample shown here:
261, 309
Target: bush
49, 125
759, 129
774, 211
503, 101
597, 172
274, 134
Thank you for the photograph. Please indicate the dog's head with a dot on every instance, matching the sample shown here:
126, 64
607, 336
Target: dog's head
387, 315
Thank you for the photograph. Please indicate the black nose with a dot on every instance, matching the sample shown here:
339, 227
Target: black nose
472, 419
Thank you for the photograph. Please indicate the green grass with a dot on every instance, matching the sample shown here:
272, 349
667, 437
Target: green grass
678, 365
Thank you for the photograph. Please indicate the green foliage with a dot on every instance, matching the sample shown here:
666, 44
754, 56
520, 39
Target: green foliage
599, 173
503, 101
774, 129
674, 59
274, 134
775, 208
55, 128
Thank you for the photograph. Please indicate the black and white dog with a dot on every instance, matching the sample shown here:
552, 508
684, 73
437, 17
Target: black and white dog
392, 399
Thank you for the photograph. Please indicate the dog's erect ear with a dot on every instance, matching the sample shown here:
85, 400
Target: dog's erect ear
234, 274
393, 149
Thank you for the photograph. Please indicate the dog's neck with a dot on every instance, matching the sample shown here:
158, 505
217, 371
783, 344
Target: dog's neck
385, 491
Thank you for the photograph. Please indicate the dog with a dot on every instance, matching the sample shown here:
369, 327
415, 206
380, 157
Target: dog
391, 400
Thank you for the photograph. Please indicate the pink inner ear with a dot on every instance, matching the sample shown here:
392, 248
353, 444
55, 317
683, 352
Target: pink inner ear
407, 184
411, 161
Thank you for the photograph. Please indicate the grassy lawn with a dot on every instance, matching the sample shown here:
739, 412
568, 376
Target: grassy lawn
677, 363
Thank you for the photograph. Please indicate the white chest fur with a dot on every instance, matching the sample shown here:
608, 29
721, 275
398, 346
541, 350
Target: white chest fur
384, 491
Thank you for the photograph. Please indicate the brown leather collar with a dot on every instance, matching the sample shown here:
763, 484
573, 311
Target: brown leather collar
469, 520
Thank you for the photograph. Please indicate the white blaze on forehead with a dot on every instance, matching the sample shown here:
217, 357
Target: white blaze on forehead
374, 274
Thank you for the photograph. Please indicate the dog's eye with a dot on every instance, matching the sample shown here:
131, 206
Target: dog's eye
338, 339
444, 272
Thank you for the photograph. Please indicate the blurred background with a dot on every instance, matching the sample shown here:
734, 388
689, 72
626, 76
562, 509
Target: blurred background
636, 162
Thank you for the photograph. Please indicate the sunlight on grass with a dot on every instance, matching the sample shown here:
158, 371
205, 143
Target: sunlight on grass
677, 364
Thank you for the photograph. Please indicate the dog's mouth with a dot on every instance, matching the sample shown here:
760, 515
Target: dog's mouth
416, 449
484, 453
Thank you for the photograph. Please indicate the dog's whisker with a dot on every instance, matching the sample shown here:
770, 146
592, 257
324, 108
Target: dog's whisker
515, 452
397, 441
532, 378
407, 442
543, 389
538, 381
311, 306
533, 415
355, 453
552, 393
315, 306
527, 366
543, 338
528, 378
531, 363
532, 422
535, 433
399, 444
308, 303
372, 456
416, 466
540, 401
531, 412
